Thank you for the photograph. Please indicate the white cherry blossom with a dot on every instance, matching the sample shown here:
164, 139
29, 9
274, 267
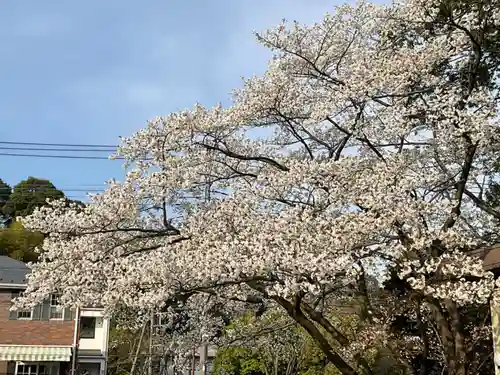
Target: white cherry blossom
367, 137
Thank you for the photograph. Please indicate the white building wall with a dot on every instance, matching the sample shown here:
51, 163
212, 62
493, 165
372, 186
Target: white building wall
95, 365
97, 343
100, 340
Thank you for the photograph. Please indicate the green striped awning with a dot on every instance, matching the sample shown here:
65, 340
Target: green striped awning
26, 353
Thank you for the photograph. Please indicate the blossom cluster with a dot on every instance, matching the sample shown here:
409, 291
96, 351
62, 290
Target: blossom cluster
452, 276
362, 140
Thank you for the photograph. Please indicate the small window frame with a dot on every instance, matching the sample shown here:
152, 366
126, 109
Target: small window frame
56, 312
34, 368
89, 336
19, 312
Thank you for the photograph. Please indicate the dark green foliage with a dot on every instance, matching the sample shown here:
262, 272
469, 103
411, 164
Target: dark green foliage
5, 191
238, 361
28, 195
18, 243
22, 200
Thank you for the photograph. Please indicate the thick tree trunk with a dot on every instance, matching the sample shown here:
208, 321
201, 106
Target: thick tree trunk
296, 313
458, 338
422, 327
451, 334
335, 333
445, 335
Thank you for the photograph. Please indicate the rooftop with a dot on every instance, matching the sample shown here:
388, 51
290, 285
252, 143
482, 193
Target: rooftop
12, 271
490, 257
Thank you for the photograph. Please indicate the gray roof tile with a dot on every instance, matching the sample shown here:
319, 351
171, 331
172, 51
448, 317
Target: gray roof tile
12, 271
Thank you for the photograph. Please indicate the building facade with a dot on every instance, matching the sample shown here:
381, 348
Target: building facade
92, 349
491, 262
47, 340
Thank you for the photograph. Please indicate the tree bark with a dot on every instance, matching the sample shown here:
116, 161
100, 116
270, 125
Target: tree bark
321, 320
445, 334
334, 332
458, 338
296, 313
422, 327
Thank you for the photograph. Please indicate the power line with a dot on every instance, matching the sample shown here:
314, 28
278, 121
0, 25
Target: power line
35, 187
68, 186
98, 185
59, 156
57, 144
71, 188
52, 189
57, 149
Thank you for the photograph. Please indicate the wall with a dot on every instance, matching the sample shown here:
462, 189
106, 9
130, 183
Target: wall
495, 326
97, 343
96, 365
100, 341
32, 332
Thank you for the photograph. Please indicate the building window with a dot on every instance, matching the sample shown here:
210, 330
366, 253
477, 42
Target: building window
32, 369
56, 311
209, 364
88, 369
87, 327
24, 314
26, 369
159, 319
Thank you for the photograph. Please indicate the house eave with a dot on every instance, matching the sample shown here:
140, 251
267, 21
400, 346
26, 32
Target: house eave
12, 286
489, 255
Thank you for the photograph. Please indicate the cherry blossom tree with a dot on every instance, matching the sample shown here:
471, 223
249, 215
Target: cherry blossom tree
367, 138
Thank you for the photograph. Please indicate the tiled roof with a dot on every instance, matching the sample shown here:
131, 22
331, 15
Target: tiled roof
12, 271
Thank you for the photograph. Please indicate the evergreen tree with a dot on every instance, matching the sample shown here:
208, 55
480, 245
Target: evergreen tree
28, 195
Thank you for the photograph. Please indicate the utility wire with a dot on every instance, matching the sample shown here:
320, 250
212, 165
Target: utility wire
100, 185
38, 186
85, 188
57, 149
58, 144
59, 156
61, 189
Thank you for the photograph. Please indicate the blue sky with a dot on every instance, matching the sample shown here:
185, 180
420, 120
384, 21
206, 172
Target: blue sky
88, 72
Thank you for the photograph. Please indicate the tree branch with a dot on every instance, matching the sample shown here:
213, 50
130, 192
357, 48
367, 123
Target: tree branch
482, 204
301, 319
235, 155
